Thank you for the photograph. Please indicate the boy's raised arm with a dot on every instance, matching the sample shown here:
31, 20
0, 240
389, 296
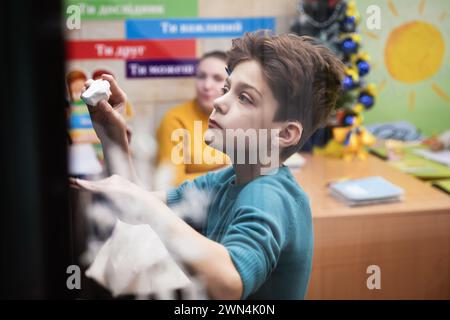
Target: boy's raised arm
111, 128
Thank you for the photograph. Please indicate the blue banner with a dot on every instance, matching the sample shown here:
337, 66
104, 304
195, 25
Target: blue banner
195, 28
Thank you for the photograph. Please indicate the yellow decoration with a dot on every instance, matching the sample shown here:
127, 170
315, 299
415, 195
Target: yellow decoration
352, 11
356, 37
358, 108
332, 149
339, 134
352, 73
360, 56
349, 142
372, 89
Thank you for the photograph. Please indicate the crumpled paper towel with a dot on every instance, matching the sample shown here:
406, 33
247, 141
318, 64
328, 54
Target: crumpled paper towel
135, 261
98, 90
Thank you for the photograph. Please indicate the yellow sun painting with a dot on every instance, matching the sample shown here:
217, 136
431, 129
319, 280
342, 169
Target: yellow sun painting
410, 60
414, 51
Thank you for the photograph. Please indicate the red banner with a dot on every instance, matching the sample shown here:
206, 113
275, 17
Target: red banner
131, 49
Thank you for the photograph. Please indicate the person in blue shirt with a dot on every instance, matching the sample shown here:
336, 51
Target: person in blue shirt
257, 240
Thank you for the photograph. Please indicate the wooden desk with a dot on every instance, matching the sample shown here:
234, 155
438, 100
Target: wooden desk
409, 240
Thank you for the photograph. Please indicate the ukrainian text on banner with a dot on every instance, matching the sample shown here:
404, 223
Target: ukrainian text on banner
130, 49
161, 68
120, 9
195, 28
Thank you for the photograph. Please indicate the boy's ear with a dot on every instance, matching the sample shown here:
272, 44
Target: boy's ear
290, 134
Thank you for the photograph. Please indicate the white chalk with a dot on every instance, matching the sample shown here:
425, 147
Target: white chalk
98, 90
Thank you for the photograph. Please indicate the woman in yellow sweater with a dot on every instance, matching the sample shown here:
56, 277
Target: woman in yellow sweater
192, 118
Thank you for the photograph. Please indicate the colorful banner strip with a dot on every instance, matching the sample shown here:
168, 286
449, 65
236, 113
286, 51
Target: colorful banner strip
120, 9
130, 49
161, 68
195, 28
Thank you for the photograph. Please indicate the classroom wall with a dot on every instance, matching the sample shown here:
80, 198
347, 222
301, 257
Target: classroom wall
411, 62
413, 83
151, 98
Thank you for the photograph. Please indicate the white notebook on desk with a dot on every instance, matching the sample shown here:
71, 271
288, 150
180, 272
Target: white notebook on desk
442, 157
365, 191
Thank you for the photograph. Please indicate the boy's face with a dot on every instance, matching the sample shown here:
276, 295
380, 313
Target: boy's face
247, 103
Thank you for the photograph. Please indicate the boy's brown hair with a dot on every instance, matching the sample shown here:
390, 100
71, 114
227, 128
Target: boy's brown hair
305, 77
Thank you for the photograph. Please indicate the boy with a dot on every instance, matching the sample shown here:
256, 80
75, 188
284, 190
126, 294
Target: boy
257, 241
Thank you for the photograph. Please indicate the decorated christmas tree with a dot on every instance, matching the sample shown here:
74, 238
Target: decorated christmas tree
335, 24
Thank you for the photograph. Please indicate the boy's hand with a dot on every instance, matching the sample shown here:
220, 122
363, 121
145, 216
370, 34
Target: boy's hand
107, 116
128, 198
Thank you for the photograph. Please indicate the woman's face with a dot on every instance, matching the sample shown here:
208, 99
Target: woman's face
211, 75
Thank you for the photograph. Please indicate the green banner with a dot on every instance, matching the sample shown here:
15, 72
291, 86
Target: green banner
123, 9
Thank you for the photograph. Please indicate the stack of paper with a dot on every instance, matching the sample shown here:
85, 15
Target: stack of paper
370, 190
437, 156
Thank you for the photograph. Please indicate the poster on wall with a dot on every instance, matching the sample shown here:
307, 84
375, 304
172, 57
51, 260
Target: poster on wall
195, 28
161, 68
179, 29
411, 62
120, 9
130, 49
180, 53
